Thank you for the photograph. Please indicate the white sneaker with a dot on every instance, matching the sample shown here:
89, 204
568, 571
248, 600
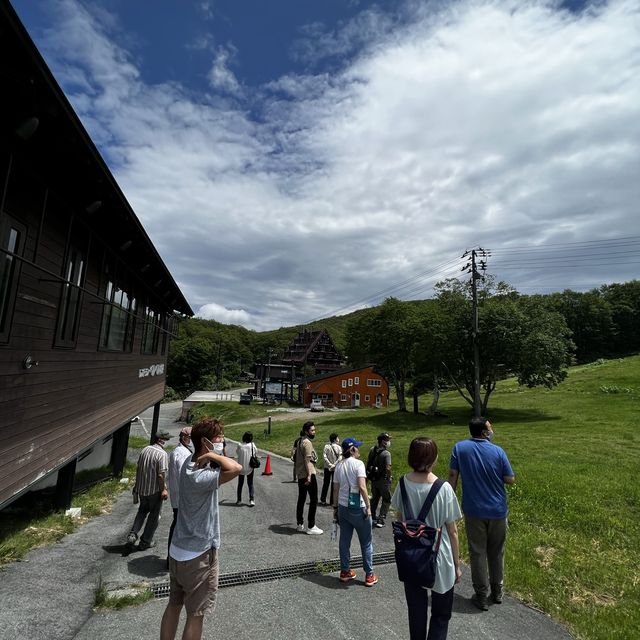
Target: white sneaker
252, 503
301, 528
314, 531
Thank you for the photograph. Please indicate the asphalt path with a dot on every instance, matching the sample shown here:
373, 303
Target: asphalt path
50, 595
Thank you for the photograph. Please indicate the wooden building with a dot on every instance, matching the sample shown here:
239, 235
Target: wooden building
361, 387
313, 348
86, 303
311, 351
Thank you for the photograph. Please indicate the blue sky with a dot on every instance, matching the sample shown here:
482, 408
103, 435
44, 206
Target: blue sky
292, 158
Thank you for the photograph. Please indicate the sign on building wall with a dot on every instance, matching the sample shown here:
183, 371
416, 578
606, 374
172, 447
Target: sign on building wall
153, 370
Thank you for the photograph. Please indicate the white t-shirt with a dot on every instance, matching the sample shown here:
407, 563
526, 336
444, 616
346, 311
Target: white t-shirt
176, 460
346, 474
244, 452
445, 508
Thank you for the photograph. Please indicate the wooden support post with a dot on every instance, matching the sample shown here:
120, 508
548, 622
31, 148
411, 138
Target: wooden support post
154, 423
64, 486
119, 447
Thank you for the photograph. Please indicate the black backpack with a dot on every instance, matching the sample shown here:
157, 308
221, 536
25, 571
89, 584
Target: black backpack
374, 472
416, 544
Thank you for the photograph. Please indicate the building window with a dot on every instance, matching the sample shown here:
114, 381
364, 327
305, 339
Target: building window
167, 330
118, 314
367, 398
356, 380
373, 383
344, 384
151, 331
343, 397
351, 382
12, 235
71, 299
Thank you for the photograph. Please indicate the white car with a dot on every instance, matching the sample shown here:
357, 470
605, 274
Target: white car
316, 405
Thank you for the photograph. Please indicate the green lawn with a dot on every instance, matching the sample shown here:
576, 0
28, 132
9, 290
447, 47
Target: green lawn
574, 540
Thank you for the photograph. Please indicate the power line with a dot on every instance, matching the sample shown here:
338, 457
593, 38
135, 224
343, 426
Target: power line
576, 255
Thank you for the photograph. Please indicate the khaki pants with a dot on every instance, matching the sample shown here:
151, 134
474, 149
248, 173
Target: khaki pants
486, 540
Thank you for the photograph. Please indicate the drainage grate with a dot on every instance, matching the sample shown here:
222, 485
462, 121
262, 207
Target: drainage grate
161, 589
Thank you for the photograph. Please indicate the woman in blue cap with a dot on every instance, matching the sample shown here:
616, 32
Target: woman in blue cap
351, 509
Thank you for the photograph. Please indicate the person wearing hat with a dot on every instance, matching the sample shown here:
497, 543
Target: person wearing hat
353, 511
151, 490
176, 458
379, 472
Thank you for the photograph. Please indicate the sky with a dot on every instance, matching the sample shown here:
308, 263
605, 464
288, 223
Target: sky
297, 159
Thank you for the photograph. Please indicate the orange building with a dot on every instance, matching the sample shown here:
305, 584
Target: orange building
361, 387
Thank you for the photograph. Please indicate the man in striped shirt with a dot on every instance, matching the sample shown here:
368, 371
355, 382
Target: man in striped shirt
151, 490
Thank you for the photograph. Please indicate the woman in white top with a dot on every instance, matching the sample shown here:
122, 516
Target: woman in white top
243, 454
352, 510
445, 510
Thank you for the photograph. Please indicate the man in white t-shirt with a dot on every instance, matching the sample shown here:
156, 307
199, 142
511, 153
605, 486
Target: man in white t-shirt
176, 459
193, 555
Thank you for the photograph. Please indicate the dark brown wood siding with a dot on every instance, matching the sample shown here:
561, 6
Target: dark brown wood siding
74, 396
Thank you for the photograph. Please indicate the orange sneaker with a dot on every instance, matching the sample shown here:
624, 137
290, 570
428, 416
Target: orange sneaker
347, 575
369, 581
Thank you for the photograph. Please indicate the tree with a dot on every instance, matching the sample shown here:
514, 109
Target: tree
516, 337
590, 318
386, 336
435, 339
189, 361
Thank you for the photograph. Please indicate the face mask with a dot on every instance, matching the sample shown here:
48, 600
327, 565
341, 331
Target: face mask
218, 448
387, 444
489, 436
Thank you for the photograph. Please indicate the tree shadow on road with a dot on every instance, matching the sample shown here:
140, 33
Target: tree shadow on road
149, 566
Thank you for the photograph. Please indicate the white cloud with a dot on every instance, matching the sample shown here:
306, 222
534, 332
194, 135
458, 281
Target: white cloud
213, 311
499, 124
220, 76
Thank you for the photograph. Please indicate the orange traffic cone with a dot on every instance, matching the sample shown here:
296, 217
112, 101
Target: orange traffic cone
267, 467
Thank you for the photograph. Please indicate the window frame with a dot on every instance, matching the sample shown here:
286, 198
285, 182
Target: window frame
10, 257
114, 285
73, 281
148, 313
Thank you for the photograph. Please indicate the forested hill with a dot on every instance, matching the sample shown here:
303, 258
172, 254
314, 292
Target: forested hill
206, 354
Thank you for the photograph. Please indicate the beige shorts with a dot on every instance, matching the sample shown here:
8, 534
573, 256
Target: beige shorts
194, 583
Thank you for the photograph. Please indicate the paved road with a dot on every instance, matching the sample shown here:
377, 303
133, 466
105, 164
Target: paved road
50, 595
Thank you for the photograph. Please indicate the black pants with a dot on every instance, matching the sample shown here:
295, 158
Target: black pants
173, 526
380, 490
303, 490
249, 484
327, 486
417, 604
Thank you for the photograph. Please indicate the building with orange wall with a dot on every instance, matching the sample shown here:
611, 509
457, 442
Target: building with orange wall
360, 387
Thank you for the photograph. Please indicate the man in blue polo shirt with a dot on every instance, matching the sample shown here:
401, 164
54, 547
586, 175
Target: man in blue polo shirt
484, 469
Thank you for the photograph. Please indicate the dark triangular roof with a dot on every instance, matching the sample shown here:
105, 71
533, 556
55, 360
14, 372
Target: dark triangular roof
315, 348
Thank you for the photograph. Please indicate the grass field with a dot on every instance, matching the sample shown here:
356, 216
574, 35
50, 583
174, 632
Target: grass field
574, 539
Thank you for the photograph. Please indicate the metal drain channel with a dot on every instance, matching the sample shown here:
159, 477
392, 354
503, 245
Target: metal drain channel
161, 589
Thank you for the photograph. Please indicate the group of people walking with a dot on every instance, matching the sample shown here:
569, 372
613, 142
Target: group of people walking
484, 470
197, 468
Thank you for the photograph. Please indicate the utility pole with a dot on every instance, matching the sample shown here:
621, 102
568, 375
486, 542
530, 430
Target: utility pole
472, 267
